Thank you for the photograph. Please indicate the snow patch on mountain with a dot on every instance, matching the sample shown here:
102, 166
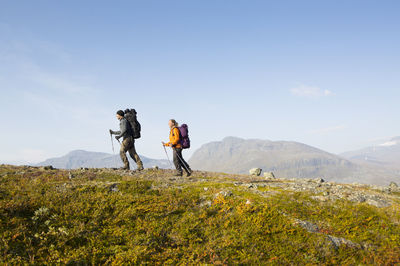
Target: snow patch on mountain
389, 143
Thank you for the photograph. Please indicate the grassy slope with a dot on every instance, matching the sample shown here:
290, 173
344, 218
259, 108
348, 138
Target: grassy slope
45, 218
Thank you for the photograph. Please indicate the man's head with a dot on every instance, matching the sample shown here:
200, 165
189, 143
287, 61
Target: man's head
120, 114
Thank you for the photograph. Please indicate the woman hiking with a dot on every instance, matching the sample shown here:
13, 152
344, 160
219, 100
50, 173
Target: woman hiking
175, 143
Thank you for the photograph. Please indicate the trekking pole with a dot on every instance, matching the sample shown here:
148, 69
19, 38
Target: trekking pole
183, 163
112, 145
167, 155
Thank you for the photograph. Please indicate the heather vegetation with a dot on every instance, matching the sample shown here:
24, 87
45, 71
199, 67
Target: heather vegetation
101, 216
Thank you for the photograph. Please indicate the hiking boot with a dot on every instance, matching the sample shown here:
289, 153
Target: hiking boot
178, 174
140, 168
124, 168
139, 165
188, 172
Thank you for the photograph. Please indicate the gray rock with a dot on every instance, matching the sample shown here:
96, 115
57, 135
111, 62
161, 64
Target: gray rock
393, 185
378, 202
269, 175
338, 241
320, 198
251, 185
335, 241
310, 227
47, 167
224, 194
255, 171
358, 198
113, 187
206, 203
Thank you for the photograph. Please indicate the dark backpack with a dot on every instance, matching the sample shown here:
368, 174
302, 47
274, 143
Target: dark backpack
184, 136
130, 115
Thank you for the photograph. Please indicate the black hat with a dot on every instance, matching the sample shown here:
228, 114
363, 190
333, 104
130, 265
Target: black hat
120, 112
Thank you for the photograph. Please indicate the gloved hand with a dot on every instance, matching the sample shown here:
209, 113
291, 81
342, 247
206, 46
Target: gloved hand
112, 132
166, 144
117, 137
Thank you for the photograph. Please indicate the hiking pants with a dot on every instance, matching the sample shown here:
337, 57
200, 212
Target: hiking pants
179, 162
128, 145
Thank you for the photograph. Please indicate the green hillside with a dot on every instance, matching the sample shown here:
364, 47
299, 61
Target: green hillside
101, 216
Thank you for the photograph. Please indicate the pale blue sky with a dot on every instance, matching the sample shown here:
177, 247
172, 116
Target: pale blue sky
325, 73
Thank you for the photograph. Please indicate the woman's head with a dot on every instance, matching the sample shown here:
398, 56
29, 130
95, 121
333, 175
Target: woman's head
172, 123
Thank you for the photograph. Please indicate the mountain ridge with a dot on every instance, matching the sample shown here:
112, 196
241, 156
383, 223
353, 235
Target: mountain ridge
285, 159
90, 159
386, 154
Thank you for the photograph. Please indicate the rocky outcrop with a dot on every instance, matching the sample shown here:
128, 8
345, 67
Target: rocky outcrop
329, 191
269, 175
255, 171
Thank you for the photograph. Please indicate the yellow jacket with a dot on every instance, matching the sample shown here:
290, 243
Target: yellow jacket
174, 138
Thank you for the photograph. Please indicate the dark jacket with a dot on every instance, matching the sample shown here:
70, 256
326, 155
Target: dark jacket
125, 129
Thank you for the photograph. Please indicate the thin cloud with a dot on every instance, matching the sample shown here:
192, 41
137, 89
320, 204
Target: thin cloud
327, 129
53, 81
380, 139
310, 92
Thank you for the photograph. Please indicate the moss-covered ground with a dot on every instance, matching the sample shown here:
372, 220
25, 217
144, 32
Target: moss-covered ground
107, 217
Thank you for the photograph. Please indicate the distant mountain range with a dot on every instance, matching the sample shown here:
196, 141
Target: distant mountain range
374, 165
386, 154
80, 158
286, 159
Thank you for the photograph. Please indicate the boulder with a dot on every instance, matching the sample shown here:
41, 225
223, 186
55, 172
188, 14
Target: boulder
47, 167
251, 185
393, 185
269, 175
255, 171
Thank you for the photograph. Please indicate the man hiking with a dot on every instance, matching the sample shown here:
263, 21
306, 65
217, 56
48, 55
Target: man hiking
128, 142
175, 143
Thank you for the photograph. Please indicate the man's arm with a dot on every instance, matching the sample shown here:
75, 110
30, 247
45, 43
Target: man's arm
115, 132
123, 128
